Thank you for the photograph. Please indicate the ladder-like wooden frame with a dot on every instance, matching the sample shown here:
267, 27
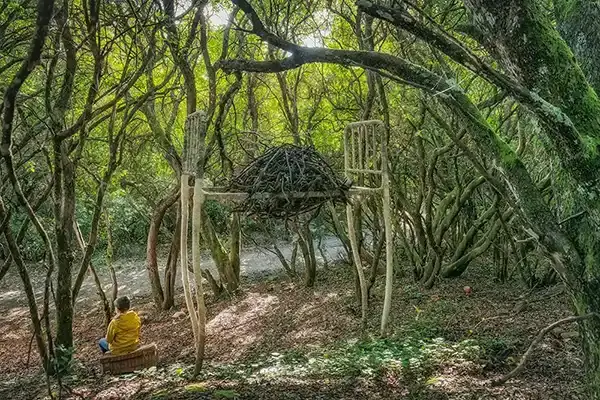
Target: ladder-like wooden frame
366, 156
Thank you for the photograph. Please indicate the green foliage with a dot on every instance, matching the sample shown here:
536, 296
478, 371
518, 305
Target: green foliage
195, 388
33, 248
128, 224
219, 215
226, 394
63, 361
411, 357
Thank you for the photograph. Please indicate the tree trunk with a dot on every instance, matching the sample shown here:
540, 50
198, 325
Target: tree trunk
579, 24
308, 252
284, 263
235, 246
322, 251
590, 337
227, 274
109, 262
151, 246
339, 230
378, 249
103, 299
171, 267
5, 266
521, 35
28, 288
65, 211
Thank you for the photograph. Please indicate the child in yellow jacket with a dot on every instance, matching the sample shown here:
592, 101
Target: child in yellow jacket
123, 334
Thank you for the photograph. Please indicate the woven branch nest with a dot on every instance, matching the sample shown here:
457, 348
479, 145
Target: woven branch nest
286, 181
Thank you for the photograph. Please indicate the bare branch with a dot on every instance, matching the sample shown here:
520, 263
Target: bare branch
538, 339
44, 8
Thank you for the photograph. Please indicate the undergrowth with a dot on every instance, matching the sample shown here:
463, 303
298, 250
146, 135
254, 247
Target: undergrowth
411, 360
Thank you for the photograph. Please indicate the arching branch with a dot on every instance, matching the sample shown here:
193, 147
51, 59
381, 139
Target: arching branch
522, 192
535, 342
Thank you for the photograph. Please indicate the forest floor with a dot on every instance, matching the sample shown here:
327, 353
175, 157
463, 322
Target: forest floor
276, 339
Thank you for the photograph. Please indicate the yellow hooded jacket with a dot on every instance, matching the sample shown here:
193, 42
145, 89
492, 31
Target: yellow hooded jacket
123, 334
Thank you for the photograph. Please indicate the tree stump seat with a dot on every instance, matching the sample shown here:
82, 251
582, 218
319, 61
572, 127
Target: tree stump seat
143, 357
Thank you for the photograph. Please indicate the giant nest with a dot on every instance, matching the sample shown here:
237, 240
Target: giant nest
287, 181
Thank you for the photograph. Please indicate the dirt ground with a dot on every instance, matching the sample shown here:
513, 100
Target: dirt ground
276, 317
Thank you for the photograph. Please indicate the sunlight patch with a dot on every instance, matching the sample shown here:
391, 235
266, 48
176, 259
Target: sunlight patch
241, 323
254, 307
10, 295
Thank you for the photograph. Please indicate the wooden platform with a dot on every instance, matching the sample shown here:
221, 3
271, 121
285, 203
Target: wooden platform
220, 193
144, 357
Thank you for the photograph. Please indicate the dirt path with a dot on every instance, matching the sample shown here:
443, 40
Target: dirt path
133, 278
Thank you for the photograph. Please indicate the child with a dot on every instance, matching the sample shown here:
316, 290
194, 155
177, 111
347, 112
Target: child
123, 335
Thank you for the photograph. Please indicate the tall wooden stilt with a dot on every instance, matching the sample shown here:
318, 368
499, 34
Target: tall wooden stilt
389, 238
196, 228
185, 280
357, 263
194, 149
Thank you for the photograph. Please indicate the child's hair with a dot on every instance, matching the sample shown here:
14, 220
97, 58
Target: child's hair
123, 303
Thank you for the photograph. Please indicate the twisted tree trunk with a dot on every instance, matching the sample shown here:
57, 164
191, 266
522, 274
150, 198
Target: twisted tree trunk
152, 243
525, 43
171, 267
529, 47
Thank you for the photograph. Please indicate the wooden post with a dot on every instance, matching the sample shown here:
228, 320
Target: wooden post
348, 164
196, 229
196, 125
185, 280
389, 245
194, 149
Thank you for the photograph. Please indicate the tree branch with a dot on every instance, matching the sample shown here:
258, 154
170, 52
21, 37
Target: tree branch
538, 339
490, 145
566, 137
44, 8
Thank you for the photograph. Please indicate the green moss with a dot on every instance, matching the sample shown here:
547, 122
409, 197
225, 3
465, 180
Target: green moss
564, 8
195, 388
548, 65
591, 146
507, 155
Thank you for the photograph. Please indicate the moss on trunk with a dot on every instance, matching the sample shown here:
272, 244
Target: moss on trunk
527, 44
522, 36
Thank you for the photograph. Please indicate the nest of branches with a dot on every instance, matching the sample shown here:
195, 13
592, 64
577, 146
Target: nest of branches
288, 180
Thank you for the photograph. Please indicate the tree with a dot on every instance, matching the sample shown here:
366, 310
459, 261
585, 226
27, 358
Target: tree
532, 54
